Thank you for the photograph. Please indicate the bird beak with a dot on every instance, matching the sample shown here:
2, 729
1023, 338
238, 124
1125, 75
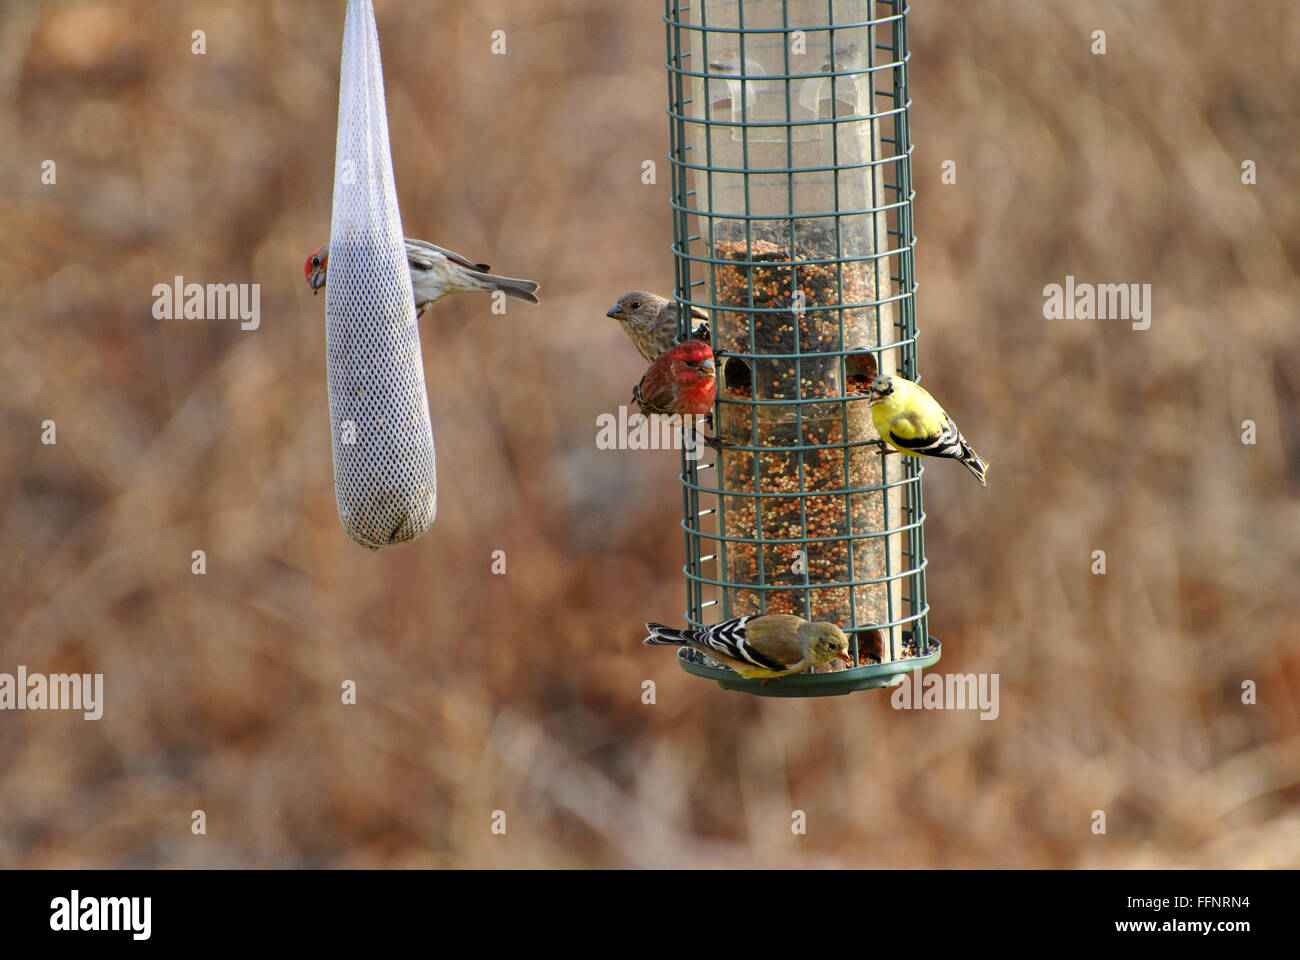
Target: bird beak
615, 311
708, 367
845, 656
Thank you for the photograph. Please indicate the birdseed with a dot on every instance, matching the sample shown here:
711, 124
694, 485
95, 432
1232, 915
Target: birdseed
822, 504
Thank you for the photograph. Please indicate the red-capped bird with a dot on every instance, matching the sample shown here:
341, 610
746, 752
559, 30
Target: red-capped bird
683, 380
435, 273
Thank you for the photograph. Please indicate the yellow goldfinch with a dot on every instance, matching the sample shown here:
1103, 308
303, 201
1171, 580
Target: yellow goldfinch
769, 646
912, 422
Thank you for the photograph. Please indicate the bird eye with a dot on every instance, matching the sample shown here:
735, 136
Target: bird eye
315, 261
636, 304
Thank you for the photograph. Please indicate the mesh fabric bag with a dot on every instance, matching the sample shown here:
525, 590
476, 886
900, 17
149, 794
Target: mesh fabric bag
384, 465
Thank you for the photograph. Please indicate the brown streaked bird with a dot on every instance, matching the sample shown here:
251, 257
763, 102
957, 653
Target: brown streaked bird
651, 322
436, 272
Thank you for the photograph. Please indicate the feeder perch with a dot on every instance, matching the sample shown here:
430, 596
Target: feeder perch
792, 198
384, 464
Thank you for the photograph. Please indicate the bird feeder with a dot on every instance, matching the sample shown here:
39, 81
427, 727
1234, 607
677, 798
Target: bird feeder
792, 198
385, 476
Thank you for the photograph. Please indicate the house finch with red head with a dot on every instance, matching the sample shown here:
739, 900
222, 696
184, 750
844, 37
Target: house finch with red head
683, 380
435, 273
651, 321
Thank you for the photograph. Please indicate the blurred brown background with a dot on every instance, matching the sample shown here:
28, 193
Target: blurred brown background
522, 692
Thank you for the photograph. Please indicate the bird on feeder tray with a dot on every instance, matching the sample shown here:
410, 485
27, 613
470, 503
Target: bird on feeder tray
912, 422
435, 273
650, 321
766, 647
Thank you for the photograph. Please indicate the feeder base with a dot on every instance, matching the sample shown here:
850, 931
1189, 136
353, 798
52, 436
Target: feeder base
816, 684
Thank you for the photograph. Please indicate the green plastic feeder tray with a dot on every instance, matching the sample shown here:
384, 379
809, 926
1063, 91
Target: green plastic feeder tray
815, 684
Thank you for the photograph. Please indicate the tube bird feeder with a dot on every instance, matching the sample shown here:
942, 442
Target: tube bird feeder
792, 198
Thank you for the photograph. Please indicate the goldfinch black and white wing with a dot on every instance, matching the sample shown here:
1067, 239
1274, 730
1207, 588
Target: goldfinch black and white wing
911, 421
948, 442
773, 646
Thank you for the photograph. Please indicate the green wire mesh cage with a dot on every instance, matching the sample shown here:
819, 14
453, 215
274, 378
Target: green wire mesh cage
792, 199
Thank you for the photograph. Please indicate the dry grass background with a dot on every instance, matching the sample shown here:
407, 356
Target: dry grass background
522, 692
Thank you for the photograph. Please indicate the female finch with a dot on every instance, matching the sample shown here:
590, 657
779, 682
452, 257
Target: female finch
651, 322
773, 645
435, 273
912, 422
682, 380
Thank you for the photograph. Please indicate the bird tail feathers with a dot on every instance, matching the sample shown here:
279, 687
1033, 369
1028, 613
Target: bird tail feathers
972, 462
666, 636
525, 290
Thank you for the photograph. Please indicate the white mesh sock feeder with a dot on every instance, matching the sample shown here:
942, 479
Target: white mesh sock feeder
792, 199
384, 464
